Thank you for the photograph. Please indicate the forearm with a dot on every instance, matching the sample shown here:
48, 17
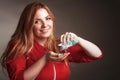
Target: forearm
32, 72
69, 39
90, 48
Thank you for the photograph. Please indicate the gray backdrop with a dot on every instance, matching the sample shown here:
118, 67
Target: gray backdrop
94, 20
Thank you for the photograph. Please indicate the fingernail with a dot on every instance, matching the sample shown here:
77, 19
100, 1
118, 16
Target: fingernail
68, 53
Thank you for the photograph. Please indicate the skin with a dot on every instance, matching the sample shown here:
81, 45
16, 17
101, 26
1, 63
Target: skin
42, 28
91, 49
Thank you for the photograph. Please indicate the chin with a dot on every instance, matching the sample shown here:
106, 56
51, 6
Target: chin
45, 36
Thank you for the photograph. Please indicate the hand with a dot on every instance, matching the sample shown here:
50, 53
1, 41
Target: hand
56, 56
68, 40
67, 37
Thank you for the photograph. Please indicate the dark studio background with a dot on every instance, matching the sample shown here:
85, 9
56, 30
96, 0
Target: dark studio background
95, 20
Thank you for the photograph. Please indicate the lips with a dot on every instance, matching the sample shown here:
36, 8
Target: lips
44, 30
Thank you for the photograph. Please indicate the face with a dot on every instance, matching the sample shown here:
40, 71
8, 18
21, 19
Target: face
43, 24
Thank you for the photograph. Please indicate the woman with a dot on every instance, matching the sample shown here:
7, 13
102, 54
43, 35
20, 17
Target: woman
33, 53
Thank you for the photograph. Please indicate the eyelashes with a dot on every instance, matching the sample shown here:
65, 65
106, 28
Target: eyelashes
48, 18
40, 21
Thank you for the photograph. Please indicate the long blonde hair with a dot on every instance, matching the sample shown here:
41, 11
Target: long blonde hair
22, 40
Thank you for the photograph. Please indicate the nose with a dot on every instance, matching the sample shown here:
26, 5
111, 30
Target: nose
44, 24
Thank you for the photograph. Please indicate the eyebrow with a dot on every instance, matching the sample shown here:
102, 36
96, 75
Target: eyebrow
38, 19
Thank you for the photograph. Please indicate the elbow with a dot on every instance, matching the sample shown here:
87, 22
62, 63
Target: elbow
100, 55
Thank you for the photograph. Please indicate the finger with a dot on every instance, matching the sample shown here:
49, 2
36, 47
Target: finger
54, 58
65, 55
68, 37
53, 54
62, 38
71, 36
59, 58
65, 37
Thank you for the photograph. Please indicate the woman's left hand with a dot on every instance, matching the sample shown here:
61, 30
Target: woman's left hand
68, 37
67, 40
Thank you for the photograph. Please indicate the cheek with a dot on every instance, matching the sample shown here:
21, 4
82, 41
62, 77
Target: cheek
51, 30
51, 24
35, 29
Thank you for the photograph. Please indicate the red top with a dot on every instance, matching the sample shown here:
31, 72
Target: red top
52, 70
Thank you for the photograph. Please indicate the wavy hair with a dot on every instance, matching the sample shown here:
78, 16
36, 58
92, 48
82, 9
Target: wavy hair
22, 40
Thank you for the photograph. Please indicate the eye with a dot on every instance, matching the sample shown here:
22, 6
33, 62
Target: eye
37, 22
48, 18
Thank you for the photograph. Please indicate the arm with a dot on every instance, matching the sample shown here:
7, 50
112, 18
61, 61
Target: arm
89, 48
17, 68
32, 72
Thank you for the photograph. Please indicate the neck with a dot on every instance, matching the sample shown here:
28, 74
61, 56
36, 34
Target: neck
41, 41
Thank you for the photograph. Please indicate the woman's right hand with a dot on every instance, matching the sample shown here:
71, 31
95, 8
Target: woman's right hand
56, 56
